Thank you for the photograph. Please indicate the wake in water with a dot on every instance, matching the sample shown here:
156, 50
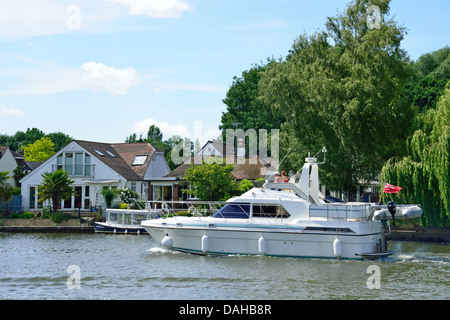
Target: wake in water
161, 250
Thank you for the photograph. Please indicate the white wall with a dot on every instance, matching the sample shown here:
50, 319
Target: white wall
157, 168
99, 173
8, 164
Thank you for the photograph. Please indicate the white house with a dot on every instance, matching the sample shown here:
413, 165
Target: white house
9, 160
94, 166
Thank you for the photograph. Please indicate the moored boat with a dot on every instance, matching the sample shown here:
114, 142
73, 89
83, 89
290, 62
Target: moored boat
125, 221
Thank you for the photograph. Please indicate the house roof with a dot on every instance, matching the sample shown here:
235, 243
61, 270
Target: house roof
247, 170
14, 154
120, 156
225, 149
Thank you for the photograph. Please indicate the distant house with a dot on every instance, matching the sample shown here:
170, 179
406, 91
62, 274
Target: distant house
94, 166
9, 160
169, 187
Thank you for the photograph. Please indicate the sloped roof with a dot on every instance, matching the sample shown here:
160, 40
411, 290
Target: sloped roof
247, 170
120, 156
14, 154
225, 149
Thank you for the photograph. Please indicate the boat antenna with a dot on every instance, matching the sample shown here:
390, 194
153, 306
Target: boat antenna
324, 150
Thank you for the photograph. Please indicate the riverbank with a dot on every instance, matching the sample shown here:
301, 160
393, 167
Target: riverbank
45, 226
417, 233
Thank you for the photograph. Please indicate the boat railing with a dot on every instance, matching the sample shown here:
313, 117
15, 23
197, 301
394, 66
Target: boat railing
344, 211
185, 208
129, 217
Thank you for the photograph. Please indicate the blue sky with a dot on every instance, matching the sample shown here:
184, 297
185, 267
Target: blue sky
101, 70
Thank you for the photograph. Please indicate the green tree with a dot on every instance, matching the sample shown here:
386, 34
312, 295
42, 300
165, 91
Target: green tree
55, 186
5, 189
432, 71
424, 173
18, 174
154, 134
211, 182
109, 195
59, 139
343, 88
244, 109
40, 150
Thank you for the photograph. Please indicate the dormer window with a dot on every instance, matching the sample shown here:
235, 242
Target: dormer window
139, 160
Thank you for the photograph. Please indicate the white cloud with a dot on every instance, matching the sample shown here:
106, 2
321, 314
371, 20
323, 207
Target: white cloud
39, 78
29, 18
113, 80
168, 130
20, 18
5, 112
155, 8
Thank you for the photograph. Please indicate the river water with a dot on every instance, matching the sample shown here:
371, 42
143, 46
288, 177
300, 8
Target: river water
102, 266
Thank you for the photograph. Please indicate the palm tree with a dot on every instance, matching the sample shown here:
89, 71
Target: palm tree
5, 188
56, 187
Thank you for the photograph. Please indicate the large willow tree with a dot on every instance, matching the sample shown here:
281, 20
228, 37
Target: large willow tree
424, 173
343, 88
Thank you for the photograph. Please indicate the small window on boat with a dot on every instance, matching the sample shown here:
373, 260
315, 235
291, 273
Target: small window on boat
269, 211
139, 160
234, 210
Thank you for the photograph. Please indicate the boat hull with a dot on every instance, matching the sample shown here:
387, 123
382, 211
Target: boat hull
103, 227
273, 240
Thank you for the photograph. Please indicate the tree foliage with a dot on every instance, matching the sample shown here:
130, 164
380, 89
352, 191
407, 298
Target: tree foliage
5, 188
40, 150
20, 138
343, 88
244, 109
211, 182
424, 173
55, 186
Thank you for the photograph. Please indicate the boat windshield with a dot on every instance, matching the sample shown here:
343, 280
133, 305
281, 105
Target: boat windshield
234, 210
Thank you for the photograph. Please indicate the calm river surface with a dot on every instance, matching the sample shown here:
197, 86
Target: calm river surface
47, 266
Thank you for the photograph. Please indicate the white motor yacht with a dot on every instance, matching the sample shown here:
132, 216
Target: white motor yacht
287, 220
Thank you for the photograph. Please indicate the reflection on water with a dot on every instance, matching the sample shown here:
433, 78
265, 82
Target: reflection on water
34, 266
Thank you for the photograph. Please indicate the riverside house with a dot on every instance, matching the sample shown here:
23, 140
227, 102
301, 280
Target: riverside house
169, 187
94, 166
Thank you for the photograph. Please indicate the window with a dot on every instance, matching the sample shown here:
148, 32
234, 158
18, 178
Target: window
139, 160
59, 162
69, 163
110, 153
32, 202
99, 152
269, 211
78, 164
234, 210
87, 166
